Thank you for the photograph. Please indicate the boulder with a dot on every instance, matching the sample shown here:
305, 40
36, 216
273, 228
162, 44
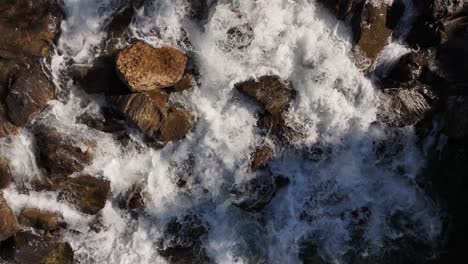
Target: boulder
186, 83
370, 31
273, 94
62, 154
145, 68
176, 125
261, 156
29, 94
5, 173
254, 195
28, 27
340, 8
145, 110
278, 129
405, 72
42, 220
8, 222
181, 242
89, 194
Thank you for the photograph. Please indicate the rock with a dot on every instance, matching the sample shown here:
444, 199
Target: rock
255, 194
340, 8
38, 219
456, 117
8, 222
424, 31
145, 68
182, 239
405, 107
28, 28
5, 173
261, 156
278, 129
61, 254
238, 38
176, 125
61, 154
186, 83
28, 95
405, 72
444, 8
370, 30
145, 110
271, 92
6, 127
395, 13
89, 194
133, 199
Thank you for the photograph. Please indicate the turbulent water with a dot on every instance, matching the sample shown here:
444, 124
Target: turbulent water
335, 108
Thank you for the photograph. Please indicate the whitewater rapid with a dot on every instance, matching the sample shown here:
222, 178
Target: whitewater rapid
335, 109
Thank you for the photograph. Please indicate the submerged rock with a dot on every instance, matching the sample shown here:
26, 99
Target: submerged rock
8, 222
29, 94
340, 8
255, 194
145, 68
182, 240
176, 125
145, 110
89, 194
38, 219
273, 94
5, 173
28, 28
370, 30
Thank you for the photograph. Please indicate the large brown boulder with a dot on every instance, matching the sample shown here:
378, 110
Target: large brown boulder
176, 125
43, 220
145, 68
28, 27
89, 194
370, 30
5, 173
145, 110
339, 7
8, 222
28, 95
273, 94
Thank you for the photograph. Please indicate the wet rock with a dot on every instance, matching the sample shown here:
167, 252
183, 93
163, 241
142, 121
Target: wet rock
145, 68
405, 72
29, 94
186, 83
424, 32
62, 154
255, 194
38, 219
145, 110
340, 8
182, 240
278, 129
8, 222
28, 28
273, 94
445, 8
369, 29
89, 194
261, 156
238, 38
61, 254
5, 173
405, 107
6, 127
134, 199
176, 125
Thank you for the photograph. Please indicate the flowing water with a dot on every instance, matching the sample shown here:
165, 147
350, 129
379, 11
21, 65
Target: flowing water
335, 108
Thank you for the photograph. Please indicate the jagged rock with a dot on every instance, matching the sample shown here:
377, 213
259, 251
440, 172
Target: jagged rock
5, 173
271, 92
405, 107
89, 194
370, 30
61, 254
185, 83
145, 68
62, 154
38, 219
29, 94
255, 194
340, 8
28, 27
145, 110
182, 239
261, 156
176, 125
8, 222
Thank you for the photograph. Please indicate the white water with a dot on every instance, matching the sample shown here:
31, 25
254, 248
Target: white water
335, 107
